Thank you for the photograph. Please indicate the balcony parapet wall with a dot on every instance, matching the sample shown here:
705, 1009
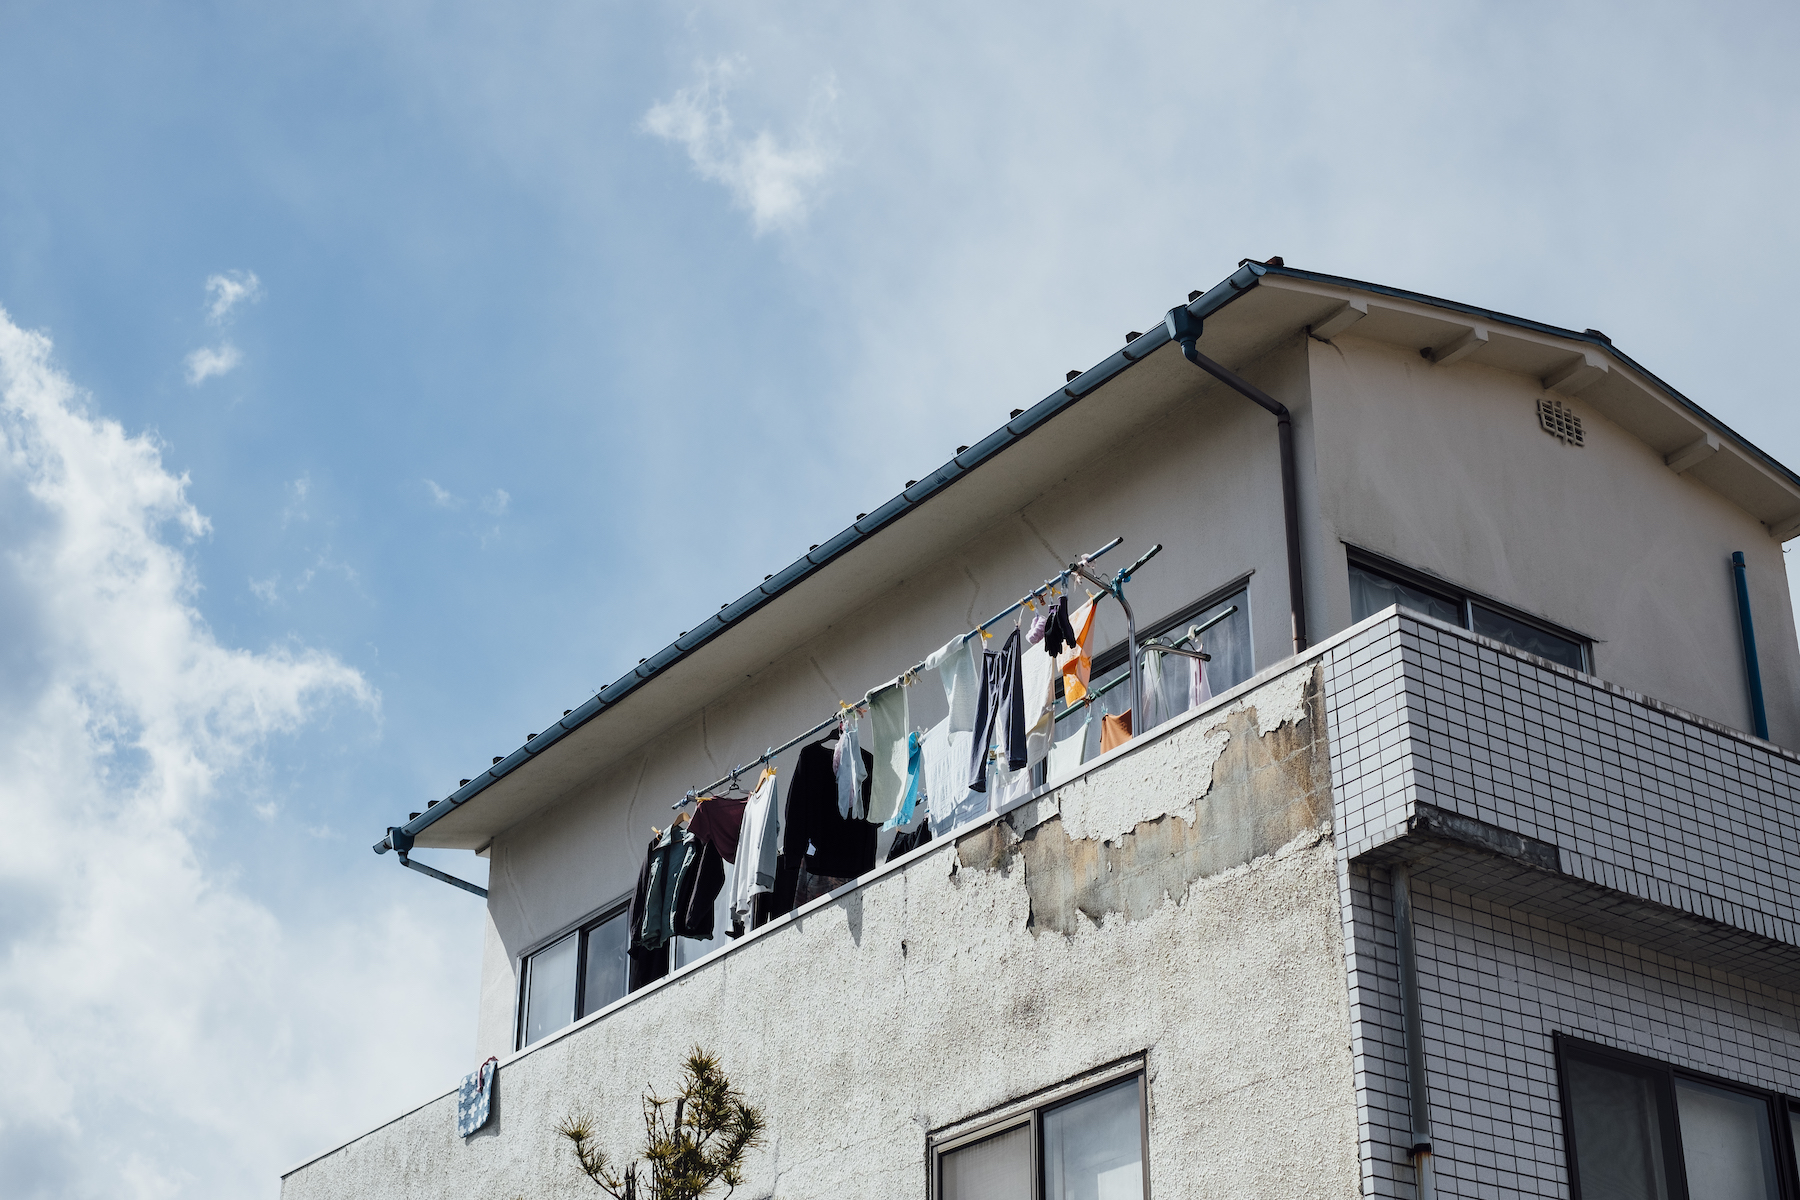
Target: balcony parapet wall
1632, 818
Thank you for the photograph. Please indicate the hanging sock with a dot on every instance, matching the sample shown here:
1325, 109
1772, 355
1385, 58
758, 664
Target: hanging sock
1114, 731
888, 721
1059, 635
1075, 663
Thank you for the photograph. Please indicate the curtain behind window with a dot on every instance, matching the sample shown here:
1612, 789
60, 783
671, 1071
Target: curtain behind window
996, 1168
1619, 1151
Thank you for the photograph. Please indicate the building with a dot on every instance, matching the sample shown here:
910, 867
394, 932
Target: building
1474, 877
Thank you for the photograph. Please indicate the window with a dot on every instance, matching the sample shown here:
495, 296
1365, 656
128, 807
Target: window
1638, 1129
1375, 585
1232, 662
579, 973
1088, 1146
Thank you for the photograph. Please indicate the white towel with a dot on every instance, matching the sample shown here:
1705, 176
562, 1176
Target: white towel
947, 795
888, 727
958, 671
1068, 752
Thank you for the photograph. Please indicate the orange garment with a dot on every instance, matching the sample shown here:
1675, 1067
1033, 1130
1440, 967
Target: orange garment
1075, 662
1114, 731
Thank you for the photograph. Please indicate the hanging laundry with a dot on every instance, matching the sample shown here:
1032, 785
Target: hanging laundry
1006, 785
1114, 730
474, 1098
1040, 625
717, 821
1199, 686
1038, 686
1069, 750
908, 840
1002, 719
849, 765
915, 770
697, 888
888, 722
646, 964
815, 836
652, 933
1058, 634
960, 672
759, 843
1152, 700
946, 765
1075, 663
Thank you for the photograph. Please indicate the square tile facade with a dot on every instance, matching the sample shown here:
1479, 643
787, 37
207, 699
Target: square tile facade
1692, 830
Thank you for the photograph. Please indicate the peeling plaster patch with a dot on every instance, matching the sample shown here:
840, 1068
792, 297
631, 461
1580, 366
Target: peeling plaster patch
1174, 771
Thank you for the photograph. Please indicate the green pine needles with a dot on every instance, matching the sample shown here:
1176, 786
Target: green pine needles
692, 1141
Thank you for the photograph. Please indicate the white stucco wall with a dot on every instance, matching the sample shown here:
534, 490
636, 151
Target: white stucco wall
1444, 469
930, 994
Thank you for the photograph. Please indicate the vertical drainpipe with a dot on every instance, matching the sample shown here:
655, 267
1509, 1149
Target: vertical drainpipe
1747, 627
1418, 1097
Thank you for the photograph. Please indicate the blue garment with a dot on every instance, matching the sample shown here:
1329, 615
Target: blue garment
474, 1097
915, 767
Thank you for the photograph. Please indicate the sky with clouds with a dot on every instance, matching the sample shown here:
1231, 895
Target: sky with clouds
379, 379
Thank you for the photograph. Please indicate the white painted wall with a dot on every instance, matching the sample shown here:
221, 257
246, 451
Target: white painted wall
1445, 469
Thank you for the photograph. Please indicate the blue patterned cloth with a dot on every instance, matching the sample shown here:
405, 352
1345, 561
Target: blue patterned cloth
473, 1097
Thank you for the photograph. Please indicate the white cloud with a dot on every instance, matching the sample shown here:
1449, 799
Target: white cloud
230, 290
163, 1029
206, 362
775, 179
267, 590
497, 503
440, 497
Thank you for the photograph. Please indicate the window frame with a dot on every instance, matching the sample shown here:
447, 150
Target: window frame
1777, 1105
1463, 599
1030, 1111
581, 929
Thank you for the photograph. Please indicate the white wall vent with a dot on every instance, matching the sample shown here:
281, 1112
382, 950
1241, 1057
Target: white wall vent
1560, 421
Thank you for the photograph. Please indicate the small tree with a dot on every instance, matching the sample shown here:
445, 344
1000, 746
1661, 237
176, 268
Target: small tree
691, 1141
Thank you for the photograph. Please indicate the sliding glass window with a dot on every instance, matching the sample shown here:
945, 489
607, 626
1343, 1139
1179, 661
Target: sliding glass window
580, 973
1375, 586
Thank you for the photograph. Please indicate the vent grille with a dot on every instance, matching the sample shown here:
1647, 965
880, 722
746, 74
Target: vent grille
1560, 421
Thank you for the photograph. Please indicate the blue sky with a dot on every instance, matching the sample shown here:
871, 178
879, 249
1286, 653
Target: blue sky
551, 328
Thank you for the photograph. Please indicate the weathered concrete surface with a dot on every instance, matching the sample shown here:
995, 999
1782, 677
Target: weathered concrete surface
939, 991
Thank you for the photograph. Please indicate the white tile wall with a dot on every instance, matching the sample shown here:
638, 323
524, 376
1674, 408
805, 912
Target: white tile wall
1659, 807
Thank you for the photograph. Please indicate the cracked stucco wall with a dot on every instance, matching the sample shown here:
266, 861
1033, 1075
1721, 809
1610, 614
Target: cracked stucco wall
1194, 920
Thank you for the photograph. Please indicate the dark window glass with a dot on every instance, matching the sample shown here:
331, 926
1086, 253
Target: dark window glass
550, 989
1094, 1146
1794, 1124
1528, 638
1727, 1144
995, 1168
1617, 1118
607, 967
1370, 593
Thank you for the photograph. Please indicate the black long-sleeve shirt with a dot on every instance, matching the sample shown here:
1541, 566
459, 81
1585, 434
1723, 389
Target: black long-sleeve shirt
842, 847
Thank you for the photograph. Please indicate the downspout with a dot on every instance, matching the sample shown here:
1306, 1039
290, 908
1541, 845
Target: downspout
402, 842
1747, 627
1185, 327
1418, 1095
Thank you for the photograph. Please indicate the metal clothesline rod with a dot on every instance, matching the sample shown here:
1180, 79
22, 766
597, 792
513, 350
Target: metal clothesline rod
776, 751
1192, 635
